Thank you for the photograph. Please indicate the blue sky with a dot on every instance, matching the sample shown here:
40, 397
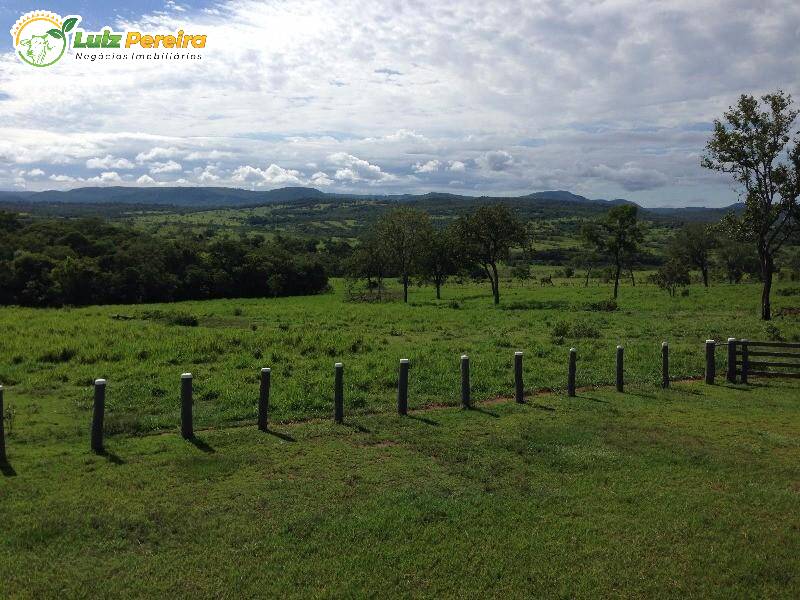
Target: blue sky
608, 98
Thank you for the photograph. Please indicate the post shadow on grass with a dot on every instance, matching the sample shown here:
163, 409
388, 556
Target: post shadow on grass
200, 444
484, 411
357, 427
423, 420
6, 469
110, 456
280, 435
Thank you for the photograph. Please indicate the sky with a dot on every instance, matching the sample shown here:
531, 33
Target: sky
604, 98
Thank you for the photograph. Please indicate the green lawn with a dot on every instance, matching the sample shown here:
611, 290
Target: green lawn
692, 491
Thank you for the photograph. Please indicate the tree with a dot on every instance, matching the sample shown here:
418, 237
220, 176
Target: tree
368, 261
402, 232
618, 236
692, 245
521, 273
438, 257
486, 237
671, 275
733, 257
587, 257
753, 145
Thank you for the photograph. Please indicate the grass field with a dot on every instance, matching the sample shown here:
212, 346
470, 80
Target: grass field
49, 358
692, 491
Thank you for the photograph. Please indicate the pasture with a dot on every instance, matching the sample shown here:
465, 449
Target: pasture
692, 491
49, 357
687, 491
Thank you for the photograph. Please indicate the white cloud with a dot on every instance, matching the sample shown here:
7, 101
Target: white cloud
354, 169
457, 166
169, 166
272, 175
62, 178
109, 162
209, 155
207, 176
428, 167
157, 153
145, 180
321, 179
106, 178
403, 135
34, 173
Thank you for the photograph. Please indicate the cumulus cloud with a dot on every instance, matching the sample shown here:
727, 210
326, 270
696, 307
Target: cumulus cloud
169, 166
157, 153
209, 155
62, 178
207, 176
109, 162
272, 175
353, 169
320, 178
457, 166
106, 178
145, 180
427, 167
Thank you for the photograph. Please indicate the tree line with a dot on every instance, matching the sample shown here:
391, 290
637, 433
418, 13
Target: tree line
55, 262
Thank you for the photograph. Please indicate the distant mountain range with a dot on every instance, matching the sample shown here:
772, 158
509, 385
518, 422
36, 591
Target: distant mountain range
211, 197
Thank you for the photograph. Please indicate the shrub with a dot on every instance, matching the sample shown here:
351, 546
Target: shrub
184, 320
788, 292
578, 329
609, 305
58, 356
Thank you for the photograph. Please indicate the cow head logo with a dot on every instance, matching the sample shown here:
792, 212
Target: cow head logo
41, 37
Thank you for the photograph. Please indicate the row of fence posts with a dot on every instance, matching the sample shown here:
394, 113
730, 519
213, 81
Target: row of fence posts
187, 429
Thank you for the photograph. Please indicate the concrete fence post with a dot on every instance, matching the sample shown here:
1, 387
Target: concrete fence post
98, 414
338, 393
402, 387
187, 431
573, 367
620, 368
519, 386
731, 360
664, 365
711, 362
263, 399
465, 399
2, 429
